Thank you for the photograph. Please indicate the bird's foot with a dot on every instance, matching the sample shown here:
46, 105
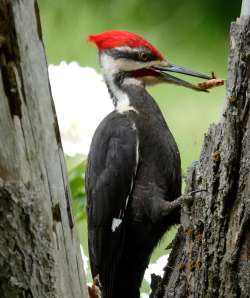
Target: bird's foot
186, 199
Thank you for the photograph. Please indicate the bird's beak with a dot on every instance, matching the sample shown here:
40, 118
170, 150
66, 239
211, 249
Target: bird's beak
164, 67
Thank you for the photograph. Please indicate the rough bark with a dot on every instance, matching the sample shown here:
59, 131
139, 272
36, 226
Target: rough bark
211, 254
39, 248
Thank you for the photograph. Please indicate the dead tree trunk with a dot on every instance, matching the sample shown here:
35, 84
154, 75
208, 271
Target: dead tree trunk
211, 254
39, 248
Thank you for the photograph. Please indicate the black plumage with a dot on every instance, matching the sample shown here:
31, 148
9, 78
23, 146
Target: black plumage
134, 175
133, 170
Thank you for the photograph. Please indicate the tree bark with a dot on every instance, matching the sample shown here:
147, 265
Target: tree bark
211, 254
39, 248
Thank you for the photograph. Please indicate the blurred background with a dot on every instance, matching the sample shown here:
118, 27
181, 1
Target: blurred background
190, 33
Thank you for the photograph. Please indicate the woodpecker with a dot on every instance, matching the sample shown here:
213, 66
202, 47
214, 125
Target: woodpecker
133, 177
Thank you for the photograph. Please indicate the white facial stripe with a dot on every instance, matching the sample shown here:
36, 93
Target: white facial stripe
129, 65
110, 67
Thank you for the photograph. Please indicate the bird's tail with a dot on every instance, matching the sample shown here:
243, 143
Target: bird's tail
109, 279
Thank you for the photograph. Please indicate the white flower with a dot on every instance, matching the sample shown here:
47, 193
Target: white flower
81, 100
156, 268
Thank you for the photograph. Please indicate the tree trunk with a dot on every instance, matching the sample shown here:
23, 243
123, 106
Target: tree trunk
211, 253
39, 249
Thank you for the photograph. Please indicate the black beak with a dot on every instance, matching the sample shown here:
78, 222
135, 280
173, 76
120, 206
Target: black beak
165, 67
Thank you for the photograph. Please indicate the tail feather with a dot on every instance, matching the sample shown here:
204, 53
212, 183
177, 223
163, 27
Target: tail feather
109, 280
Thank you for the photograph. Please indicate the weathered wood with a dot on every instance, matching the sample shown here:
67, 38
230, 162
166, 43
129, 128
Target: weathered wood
211, 256
245, 8
39, 247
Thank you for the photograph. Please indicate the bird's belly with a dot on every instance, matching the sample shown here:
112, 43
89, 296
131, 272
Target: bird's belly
155, 183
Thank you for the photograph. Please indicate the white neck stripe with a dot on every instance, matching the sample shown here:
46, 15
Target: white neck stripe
110, 69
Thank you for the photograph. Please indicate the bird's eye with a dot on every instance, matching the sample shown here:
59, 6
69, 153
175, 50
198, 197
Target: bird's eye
143, 56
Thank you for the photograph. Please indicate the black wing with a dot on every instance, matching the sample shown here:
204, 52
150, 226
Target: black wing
112, 165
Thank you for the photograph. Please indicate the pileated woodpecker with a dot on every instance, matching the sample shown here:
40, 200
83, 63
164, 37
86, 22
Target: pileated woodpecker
133, 174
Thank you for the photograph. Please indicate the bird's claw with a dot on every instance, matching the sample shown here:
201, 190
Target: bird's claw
187, 199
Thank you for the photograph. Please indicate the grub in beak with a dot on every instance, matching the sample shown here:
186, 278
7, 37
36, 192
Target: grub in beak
164, 67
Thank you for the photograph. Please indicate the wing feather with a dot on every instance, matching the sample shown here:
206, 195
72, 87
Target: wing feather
111, 169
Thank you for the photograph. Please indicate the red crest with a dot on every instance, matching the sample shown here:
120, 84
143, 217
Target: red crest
117, 38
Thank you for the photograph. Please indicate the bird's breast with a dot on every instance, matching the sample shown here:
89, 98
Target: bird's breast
159, 169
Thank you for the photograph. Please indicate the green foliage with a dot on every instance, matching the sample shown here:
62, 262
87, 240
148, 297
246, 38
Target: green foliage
76, 166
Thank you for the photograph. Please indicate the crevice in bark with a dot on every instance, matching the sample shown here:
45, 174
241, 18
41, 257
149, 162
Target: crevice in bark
11, 89
67, 192
38, 23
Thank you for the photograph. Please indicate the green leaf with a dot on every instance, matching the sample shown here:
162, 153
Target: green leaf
76, 166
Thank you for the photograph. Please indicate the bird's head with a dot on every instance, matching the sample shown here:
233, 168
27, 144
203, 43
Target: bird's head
134, 58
